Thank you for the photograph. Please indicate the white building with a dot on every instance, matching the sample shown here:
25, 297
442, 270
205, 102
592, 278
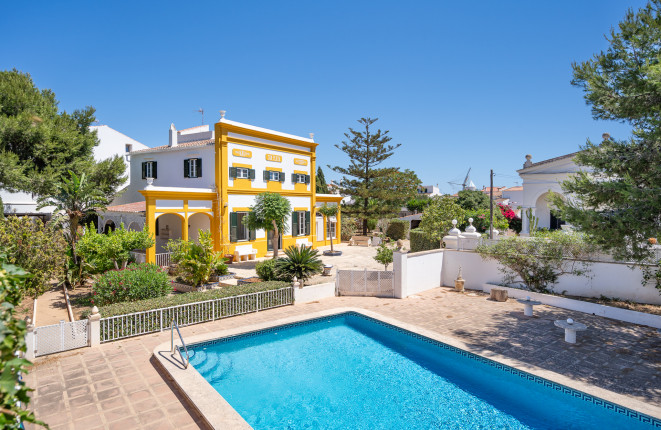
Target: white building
429, 190
538, 180
111, 143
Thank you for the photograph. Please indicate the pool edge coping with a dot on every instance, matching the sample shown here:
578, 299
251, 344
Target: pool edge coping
218, 413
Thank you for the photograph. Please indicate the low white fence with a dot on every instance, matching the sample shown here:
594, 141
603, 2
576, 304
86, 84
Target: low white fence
59, 337
373, 283
163, 259
138, 323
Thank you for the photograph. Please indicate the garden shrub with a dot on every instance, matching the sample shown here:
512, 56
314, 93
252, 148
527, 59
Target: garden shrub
266, 270
302, 263
348, 227
136, 282
397, 229
38, 248
481, 220
113, 250
422, 241
196, 262
185, 298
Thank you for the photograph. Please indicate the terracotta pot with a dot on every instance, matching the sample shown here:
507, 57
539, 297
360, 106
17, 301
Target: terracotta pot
229, 258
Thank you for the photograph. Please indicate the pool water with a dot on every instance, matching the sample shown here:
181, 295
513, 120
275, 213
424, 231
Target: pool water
351, 371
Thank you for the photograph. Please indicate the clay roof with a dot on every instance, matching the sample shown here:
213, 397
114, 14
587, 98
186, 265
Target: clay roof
128, 207
518, 188
192, 143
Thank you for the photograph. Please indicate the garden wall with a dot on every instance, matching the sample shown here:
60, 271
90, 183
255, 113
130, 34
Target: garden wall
416, 272
612, 280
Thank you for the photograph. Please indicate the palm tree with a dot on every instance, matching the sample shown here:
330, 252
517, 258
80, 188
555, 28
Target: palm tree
301, 263
327, 212
75, 197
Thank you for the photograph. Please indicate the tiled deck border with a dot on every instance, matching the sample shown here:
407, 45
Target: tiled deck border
218, 413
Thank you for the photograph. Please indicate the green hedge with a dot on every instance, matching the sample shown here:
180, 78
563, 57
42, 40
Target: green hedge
181, 299
397, 229
421, 241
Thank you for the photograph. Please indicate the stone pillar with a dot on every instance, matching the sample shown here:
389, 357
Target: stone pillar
94, 324
399, 263
30, 340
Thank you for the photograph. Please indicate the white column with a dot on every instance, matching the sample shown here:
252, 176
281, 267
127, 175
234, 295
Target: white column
399, 262
94, 322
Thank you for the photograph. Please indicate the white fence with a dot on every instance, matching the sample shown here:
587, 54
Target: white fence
138, 323
162, 259
59, 337
374, 283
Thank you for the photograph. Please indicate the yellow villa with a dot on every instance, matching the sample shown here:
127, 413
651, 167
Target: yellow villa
208, 179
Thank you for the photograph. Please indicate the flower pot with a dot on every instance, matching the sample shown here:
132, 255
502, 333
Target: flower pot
229, 258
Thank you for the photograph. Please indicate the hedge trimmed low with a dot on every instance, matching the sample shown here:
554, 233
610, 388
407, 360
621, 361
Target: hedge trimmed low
421, 241
182, 299
397, 229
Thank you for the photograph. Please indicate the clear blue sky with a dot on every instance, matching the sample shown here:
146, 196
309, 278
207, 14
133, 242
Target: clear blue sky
458, 85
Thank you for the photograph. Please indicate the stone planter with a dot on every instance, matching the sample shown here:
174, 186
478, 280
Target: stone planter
327, 270
185, 288
332, 253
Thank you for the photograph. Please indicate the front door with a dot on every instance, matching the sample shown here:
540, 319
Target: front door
269, 241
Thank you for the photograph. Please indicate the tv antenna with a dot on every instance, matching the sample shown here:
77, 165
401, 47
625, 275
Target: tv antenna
200, 110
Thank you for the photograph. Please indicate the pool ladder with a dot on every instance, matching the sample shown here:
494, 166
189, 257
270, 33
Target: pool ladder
174, 325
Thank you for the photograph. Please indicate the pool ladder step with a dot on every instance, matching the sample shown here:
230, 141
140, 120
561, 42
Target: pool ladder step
174, 325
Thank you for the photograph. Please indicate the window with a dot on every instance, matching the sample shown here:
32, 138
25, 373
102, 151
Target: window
300, 223
193, 168
128, 148
238, 230
274, 176
299, 178
330, 229
242, 173
149, 169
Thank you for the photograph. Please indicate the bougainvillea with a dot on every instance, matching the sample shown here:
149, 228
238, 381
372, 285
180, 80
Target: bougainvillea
513, 220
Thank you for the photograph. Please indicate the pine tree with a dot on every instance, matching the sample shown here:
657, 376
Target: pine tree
616, 198
364, 181
322, 186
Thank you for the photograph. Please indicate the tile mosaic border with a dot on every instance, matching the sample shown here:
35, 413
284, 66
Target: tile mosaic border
630, 413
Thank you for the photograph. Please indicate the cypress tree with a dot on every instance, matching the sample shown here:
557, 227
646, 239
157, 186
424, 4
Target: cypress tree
322, 186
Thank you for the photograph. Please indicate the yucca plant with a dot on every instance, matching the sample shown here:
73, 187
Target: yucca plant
302, 262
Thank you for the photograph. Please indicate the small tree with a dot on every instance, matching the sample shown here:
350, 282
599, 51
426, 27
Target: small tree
269, 213
13, 391
37, 247
539, 261
437, 218
384, 255
418, 204
105, 251
328, 211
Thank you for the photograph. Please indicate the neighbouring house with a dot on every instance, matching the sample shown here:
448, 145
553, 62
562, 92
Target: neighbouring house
208, 179
513, 196
538, 180
429, 190
413, 220
111, 143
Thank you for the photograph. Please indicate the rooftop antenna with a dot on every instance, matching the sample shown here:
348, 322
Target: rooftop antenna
200, 110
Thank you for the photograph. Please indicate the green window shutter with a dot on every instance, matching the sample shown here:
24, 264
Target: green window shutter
233, 226
294, 223
307, 179
282, 176
266, 175
232, 172
199, 167
153, 169
187, 168
251, 173
144, 170
252, 234
307, 223
293, 178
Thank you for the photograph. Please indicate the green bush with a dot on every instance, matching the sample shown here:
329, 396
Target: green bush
196, 262
266, 270
348, 227
136, 282
384, 255
398, 229
185, 298
113, 250
302, 263
421, 241
481, 220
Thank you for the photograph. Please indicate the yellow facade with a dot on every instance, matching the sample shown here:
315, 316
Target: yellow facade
277, 146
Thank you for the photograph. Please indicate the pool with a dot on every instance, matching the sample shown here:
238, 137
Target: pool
352, 371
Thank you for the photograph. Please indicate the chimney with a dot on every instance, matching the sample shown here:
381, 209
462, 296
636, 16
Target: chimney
528, 162
606, 136
173, 135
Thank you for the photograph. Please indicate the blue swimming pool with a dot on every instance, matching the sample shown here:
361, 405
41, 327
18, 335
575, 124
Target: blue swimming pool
352, 371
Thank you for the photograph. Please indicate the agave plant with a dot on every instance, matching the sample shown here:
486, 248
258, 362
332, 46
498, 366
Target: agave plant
302, 262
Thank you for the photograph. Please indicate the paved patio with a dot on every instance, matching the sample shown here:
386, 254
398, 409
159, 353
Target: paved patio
116, 385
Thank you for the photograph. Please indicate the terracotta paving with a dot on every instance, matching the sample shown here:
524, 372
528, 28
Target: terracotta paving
117, 386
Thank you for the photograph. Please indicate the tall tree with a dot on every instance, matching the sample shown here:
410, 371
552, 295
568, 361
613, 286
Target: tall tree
322, 186
364, 180
472, 200
39, 143
269, 212
615, 198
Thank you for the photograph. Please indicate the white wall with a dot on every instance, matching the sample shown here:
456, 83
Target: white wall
424, 271
312, 293
608, 279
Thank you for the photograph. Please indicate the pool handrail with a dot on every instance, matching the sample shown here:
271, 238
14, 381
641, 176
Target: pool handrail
174, 325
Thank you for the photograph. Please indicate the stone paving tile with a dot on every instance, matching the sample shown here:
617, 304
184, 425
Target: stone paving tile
118, 386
